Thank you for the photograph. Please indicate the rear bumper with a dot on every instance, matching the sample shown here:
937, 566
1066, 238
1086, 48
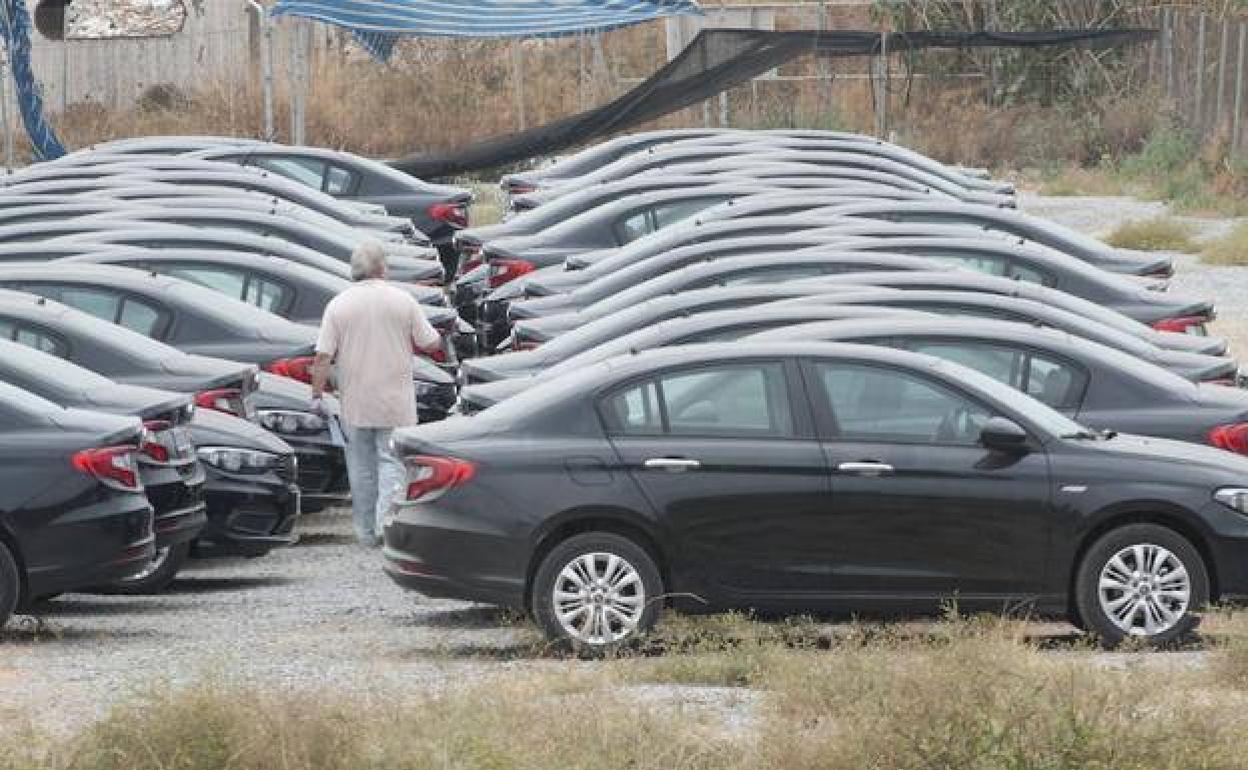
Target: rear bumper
446, 562
108, 541
248, 518
177, 497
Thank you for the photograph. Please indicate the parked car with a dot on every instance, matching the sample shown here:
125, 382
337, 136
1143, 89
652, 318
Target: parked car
72, 509
156, 145
277, 403
950, 485
1183, 331
436, 210
295, 292
172, 478
1015, 223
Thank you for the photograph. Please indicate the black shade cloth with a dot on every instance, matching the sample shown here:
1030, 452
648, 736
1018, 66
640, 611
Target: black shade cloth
717, 60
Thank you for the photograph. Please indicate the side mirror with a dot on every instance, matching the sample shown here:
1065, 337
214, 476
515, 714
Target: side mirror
1002, 433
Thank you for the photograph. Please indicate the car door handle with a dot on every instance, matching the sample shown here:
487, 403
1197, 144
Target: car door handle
866, 468
673, 464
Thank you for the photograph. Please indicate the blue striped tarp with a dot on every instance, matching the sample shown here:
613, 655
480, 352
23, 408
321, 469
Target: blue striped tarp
378, 23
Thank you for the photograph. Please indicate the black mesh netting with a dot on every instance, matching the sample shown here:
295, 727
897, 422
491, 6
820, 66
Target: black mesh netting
719, 59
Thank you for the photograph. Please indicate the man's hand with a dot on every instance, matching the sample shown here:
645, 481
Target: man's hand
320, 378
318, 405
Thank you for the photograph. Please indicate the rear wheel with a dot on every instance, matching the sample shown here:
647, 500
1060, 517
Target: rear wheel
10, 584
1141, 581
597, 591
156, 575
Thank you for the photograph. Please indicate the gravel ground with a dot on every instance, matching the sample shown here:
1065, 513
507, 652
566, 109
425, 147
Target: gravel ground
323, 613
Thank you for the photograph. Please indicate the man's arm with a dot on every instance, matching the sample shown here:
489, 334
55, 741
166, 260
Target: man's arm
424, 336
320, 373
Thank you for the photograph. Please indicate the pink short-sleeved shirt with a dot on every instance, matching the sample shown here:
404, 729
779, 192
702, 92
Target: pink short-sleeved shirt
370, 330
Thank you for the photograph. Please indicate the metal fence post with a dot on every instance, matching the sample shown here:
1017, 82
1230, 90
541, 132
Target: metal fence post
517, 77
1167, 50
1224, 43
4, 116
1237, 117
266, 66
879, 76
1200, 73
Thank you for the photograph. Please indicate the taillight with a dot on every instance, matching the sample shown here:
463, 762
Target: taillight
297, 368
1230, 382
151, 446
1161, 272
504, 270
228, 400
520, 188
429, 477
1184, 324
1232, 438
113, 465
454, 214
437, 354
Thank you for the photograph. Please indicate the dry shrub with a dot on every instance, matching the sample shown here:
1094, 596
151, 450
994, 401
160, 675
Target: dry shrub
1157, 234
1230, 249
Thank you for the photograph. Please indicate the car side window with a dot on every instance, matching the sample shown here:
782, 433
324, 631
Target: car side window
339, 181
140, 317
979, 263
770, 275
1003, 364
633, 227
227, 281
1058, 384
265, 294
734, 400
743, 400
1027, 274
671, 213
47, 343
101, 304
634, 411
305, 171
881, 404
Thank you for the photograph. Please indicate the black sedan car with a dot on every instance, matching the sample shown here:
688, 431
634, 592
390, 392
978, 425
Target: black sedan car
172, 478
709, 472
436, 210
280, 404
72, 510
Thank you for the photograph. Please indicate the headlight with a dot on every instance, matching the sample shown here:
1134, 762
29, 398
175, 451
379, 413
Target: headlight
425, 388
237, 460
290, 423
1233, 497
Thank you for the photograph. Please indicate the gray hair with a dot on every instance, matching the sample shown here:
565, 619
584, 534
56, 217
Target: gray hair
368, 261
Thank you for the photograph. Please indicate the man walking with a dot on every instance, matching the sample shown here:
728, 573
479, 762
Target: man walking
371, 330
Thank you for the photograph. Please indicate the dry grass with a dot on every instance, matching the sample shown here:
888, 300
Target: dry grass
1230, 249
1157, 234
963, 694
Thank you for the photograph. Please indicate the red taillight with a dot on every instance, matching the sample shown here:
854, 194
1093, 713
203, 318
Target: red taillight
428, 477
1182, 324
454, 214
526, 345
437, 354
228, 400
151, 445
504, 270
113, 465
1232, 438
1227, 381
297, 368
521, 188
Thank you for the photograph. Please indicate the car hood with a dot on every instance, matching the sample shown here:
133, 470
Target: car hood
276, 392
1148, 452
209, 428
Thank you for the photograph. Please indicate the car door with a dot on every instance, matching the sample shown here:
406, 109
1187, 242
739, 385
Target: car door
726, 456
920, 510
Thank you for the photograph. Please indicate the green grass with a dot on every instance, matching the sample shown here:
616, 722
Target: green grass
1156, 234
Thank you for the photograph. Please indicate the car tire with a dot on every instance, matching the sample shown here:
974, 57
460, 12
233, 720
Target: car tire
618, 601
1141, 581
10, 584
157, 577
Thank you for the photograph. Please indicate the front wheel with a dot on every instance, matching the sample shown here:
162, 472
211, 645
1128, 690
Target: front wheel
597, 591
1141, 581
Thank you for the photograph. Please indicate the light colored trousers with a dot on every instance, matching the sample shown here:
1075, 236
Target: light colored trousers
376, 477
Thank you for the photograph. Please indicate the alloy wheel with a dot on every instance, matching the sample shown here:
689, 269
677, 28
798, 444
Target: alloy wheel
1144, 589
599, 598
